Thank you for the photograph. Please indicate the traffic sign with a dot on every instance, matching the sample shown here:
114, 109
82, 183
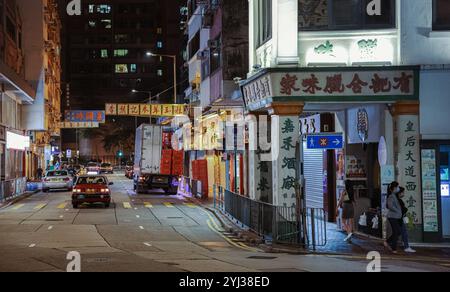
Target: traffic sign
325, 141
69, 153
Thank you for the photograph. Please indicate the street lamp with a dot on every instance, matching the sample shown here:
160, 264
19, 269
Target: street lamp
174, 59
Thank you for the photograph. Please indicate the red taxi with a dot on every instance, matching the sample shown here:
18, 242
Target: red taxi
91, 190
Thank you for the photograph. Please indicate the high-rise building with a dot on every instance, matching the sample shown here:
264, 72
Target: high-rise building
109, 52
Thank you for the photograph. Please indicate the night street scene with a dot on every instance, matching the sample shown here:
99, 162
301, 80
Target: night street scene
198, 137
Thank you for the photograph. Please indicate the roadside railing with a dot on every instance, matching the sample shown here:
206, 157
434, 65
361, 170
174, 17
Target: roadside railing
10, 189
278, 224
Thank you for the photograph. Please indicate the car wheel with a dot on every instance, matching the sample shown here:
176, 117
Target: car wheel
107, 206
45, 190
75, 206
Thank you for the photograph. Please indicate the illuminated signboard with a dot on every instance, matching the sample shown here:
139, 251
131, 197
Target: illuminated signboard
17, 142
86, 116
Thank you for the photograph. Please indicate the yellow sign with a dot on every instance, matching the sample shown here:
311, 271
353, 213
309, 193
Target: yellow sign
145, 110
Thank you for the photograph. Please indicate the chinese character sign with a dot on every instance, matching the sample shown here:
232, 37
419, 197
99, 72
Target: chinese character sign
86, 116
409, 164
145, 110
284, 184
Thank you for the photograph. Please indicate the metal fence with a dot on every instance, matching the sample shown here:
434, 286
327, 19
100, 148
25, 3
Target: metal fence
10, 189
278, 224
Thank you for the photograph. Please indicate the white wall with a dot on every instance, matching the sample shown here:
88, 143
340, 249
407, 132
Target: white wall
419, 44
435, 104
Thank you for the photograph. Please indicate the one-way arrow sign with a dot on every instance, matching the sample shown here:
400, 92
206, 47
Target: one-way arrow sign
325, 141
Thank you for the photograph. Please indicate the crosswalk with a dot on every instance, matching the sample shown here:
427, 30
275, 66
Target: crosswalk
124, 205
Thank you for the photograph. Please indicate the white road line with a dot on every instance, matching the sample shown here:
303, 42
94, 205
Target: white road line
147, 244
137, 216
32, 245
50, 227
141, 227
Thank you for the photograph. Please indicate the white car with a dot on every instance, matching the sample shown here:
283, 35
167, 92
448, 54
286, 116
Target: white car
57, 180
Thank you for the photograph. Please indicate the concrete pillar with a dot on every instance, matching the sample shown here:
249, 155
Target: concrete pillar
407, 160
285, 138
285, 32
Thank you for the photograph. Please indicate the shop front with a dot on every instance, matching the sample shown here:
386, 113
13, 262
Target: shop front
375, 109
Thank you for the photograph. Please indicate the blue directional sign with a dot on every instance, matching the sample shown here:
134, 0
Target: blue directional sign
325, 141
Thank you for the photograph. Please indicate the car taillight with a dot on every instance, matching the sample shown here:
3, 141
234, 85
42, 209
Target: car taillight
104, 191
141, 178
76, 191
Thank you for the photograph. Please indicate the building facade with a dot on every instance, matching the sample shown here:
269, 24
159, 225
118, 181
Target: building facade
41, 30
217, 57
108, 51
326, 67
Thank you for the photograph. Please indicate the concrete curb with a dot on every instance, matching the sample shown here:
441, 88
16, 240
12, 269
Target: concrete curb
231, 227
18, 199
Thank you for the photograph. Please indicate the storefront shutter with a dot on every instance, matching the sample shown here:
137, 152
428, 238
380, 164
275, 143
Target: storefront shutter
313, 167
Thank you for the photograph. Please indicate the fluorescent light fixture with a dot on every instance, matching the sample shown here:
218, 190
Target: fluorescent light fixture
17, 142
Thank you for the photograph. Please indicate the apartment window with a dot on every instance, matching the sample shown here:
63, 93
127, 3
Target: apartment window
441, 15
216, 56
92, 24
344, 15
159, 45
106, 23
159, 30
159, 72
133, 68
120, 53
104, 53
121, 38
264, 21
104, 9
194, 45
121, 68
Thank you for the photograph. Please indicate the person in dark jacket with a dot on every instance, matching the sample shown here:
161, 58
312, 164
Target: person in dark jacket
404, 228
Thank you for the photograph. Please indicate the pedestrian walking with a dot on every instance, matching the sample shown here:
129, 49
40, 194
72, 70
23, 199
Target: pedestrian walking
395, 216
39, 173
346, 203
404, 222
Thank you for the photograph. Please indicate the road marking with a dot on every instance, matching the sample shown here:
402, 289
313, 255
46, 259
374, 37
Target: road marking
126, 205
141, 227
18, 207
190, 205
169, 205
62, 206
50, 227
137, 216
148, 205
147, 244
40, 206
32, 245
244, 247
135, 209
61, 216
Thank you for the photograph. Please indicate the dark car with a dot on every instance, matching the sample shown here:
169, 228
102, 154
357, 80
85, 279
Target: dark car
91, 190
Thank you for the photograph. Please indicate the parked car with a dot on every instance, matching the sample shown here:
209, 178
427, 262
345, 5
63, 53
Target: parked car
106, 168
91, 190
92, 168
57, 180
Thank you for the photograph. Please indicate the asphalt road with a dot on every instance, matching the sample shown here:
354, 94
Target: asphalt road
148, 233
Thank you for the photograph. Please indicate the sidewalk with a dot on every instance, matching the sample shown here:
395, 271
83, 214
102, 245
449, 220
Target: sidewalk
7, 203
361, 244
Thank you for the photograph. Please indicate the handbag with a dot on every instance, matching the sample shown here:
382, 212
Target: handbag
406, 220
363, 220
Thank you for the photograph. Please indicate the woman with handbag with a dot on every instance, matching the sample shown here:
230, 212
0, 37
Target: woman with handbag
346, 203
404, 222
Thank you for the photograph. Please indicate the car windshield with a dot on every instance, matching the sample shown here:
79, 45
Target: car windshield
94, 180
106, 165
57, 173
